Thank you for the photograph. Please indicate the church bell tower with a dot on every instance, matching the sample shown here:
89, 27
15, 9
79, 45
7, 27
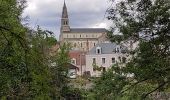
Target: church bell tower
64, 20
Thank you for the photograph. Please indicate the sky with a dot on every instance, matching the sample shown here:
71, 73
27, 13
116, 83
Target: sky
82, 14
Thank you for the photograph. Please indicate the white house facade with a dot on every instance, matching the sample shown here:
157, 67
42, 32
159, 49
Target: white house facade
103, 56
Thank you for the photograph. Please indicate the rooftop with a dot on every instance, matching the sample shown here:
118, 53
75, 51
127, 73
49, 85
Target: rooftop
88, 30
108, 48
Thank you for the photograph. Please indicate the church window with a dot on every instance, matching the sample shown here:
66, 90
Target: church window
75, 44
81, 44
86, 35
80, 35
94, 44
66, 23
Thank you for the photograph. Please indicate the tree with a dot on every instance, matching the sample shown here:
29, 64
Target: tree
25, 60
146, 21
59, 71
12, 48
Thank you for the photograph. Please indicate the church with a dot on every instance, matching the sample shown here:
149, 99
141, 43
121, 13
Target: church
82, 39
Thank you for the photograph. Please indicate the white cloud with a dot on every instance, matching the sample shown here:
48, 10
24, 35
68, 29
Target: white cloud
82, 13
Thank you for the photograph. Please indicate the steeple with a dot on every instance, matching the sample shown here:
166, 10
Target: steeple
64, 20
64, 13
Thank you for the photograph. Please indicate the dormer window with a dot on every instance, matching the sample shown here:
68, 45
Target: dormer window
117, 49
98, 50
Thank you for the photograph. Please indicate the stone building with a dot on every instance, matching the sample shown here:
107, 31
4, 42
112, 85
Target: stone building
80, 38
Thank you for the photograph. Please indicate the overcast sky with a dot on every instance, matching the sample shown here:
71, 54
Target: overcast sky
82, 13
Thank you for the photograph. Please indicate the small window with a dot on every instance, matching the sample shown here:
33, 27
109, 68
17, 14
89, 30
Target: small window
124, 60
120, 59
94, 60
80, 35
104, 69
103, 60
113, 60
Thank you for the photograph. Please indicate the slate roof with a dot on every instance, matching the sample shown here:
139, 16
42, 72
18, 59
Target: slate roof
108, 48
88, 30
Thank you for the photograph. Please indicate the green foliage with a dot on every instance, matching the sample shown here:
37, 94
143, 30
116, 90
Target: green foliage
115, 38
95, 67
147, 21
109, 85
13, 68
60, 71
26, 70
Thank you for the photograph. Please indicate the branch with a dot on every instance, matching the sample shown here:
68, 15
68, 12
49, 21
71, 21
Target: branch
20, 38
163, 84
134, 85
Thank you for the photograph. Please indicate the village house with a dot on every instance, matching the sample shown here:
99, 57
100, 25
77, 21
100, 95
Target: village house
103, 56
